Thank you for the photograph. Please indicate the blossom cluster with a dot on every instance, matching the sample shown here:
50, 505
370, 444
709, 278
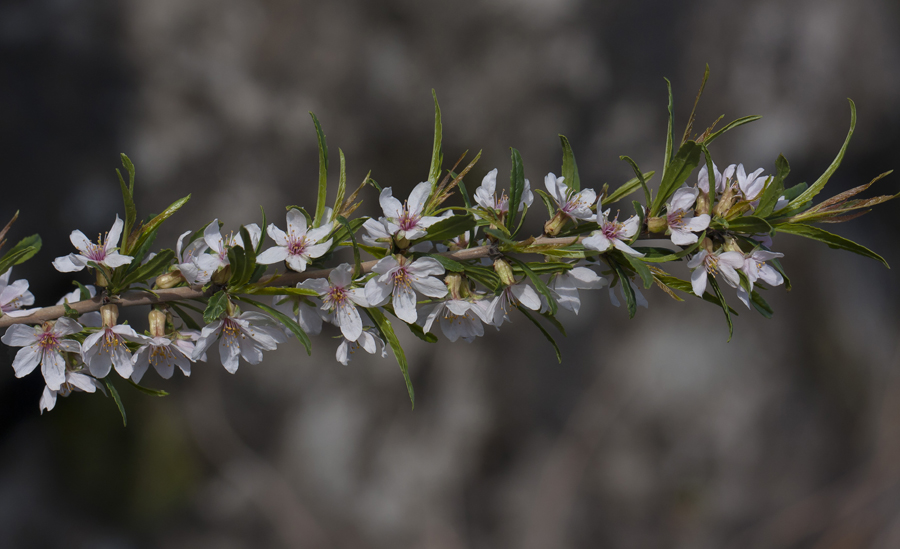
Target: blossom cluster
436, 268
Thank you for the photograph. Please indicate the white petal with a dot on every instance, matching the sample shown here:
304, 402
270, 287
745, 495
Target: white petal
65, 326
682, 237
26, 360
426, 266
698, 281
296, 222
69, 263
112, 239
48, 399
378, 291
272, 255
53, 366
229, 351
385, 265
318, 250
626, 248
20, 335
212, 237
342, 275
430, 286
277, 235
404, 304
391, 207
343, 352
115, 259
526, 296
296, 263
597, 241
349, 321
81, 242
683, 199
418, 197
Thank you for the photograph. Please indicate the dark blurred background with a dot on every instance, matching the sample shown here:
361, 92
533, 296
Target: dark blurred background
653, 432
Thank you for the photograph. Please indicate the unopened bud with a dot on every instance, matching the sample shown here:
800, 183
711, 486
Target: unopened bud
169, 280
504, 271
157, 320
552, 227
222, 276
101, 279
738, 210
402, 242
702, 206
657, 224
109, 314
725, 202
731, 245
454, 282
707, 245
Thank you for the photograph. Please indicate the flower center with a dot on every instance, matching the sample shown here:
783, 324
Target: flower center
96, 252
48, 341
111, 341
612, 229
336, 297
408, 220
161, 354
400, 277
676, 219
297, 246
230, 332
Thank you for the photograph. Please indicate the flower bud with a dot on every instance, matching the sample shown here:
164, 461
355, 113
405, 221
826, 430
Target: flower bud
402, 242
157, 320
169, 280
657, 224
221, 276
504, 271
731, 245
101, 279
552, 227
110, 314
725, 202
454, 282
707, 245
702, 206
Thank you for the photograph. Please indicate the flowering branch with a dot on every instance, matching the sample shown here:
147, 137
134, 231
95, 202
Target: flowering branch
457, 267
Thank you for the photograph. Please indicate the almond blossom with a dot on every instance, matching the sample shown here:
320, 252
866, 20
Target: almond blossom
705, 263
573, 205
401, 280
459, 318
565, 286
340, 300
246, 336
14, 296
104, 252
401, 220
367, 340
486, 195
164, 353
74, 381
612, 233
756, 269
107, 348
751, 185
703, 178
304, 311
186, 259
679, 219
298, 246
209, 263
508, 299
43, 345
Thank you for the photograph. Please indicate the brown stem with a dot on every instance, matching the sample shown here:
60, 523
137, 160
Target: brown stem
137, 297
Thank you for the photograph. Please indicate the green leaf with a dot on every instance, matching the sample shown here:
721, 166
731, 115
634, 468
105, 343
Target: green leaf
627, 188
569, 168
417, 331
341, 233
215, 308
556, 323
721, 298
516, 187
833, 240
128, 198
543, 331
281, 290
448, 228
357, 270
467, 200
186, 318
730, 126
387, 332
630, 300
775, 189
651, 257
544, 268
242, 260
448, 264
641, 269
292, 325
115, 395
437, 155
539, 285
760, 305
323, 172
639, 176
749, 225
342, 184
83, 293
795, 191
670, 132
685, 160
148, 390
154, 223
70, 312
807, 195
548, 201
21, 252
150, 269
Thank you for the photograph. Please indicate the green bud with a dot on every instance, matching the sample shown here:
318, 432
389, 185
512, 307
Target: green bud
222, 276
552, 227
657, 224
157, 320
169, 280
504, 271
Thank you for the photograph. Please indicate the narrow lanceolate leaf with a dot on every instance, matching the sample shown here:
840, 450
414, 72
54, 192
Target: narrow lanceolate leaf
548, 201
387, 332
627, 188
154, 223
833, 240
323, 172
641, 269
417, 331
639, 176
357, 269
128, 198
437, 155
186, 318
448, 228
150, 269
279, 290
670, 131
775, 189
21, 252
817, 187
760, 305
284, 319
749, 225
690, 124
685, 286
342, 184
651, 255
516, 187
215, 307
543, 331
538, 285
730, 126
569, 168
148, 390
725, 308
448, 264
683, 163
115, 395
630, 300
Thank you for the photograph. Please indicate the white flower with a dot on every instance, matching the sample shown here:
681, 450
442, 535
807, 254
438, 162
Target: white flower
187, 256
751, 185
305, 311
298, 246
612, 233
367, 340
705, 263
14, 296
107, 348
401, 281
639, 298
459, 318
756, 269
103, 253
164, 354
703, 179
575, 206
43, 345
502, 304
340, 300
565, 286
405, 220
486, 195
74, 381
93, 318
680, 222
247, 336
209, 263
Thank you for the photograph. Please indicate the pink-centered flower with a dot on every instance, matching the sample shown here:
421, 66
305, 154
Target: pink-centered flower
681, 223
209, 263
186, 259
401, 280
340, 299
104, 252
486, 195
705, 263
403, 220
612, 233
459, 318
298, 246
510, 298
15, 296
107, 348
574, 205
74, 381
565, 287
245, 336
43, 345
163, 353
755, 268
367, 340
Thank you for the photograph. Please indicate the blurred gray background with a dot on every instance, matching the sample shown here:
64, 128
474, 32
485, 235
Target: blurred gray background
654, 432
